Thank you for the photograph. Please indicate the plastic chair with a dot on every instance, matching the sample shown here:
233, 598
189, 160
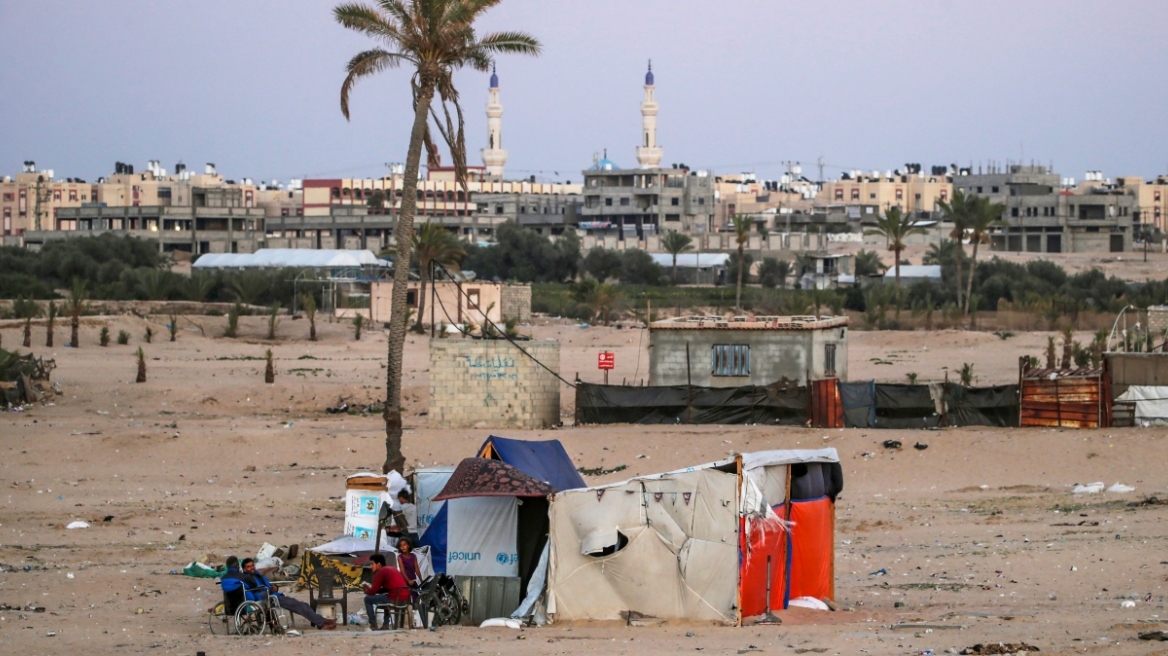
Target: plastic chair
403, 611
326, 581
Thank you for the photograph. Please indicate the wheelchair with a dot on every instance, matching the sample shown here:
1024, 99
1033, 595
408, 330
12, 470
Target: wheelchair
238, 615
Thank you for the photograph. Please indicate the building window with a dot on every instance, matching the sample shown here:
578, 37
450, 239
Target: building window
8, 197
73, 195
1156, 194
839, 194
829, 359
412, 298
674, 201
57, 195
944, 194
624, 202
472, 299
608, 202
994, 189
730, 360
855, 194
899, 194
701, 201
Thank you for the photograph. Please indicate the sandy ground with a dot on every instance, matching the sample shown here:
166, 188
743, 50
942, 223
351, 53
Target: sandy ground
979, 536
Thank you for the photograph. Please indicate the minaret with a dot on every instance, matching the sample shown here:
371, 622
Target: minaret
648, 153
494, 157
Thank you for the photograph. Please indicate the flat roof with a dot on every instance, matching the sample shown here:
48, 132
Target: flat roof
749, 323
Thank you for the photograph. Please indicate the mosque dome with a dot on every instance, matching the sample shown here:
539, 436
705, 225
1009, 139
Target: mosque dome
605, 164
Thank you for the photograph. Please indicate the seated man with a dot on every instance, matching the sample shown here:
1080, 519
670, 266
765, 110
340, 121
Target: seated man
293, 605
235, 581
388, 585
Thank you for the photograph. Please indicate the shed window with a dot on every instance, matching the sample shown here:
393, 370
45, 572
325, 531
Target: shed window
730, 360
829, 359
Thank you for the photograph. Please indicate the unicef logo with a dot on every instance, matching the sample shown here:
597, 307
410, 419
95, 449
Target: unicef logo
502, 559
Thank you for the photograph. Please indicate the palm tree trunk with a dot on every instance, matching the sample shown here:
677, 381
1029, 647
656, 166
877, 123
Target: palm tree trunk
960, 277
422, 269
404, 234
49, 334
675, 268
896, 255
27, 332
972, 267
74, 324
741, 266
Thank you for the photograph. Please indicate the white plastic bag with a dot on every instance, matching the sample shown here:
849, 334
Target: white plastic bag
1120, 488
1091, 488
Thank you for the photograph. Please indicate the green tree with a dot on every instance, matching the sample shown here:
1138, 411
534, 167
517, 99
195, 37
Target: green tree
957, 211
308, 302
27, 309
433, 38
638, 268
433, 243
983, 216
76, 305
896, 226
52, 315
868, 264
742, 224
773, 272
676, 243
376, 202
602, 263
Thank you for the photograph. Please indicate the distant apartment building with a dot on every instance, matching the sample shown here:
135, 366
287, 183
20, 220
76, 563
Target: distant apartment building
1151, 200
1044, 215
744, 193
184, 211
909, 189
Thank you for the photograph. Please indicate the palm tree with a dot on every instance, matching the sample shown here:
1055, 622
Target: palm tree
742, 225
983, 215
434, 38
868, 263
52, 314
433, 243
896, 226
308, 302
675, 244
27, 309
957, 211
75, 306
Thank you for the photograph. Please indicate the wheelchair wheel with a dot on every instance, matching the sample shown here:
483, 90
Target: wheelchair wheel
281, 620
250, 619
219, 620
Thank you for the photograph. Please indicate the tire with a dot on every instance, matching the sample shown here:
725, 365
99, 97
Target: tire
219, 620
282, 619
250, 619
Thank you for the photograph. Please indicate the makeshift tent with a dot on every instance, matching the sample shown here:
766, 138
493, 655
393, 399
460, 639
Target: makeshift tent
1151, 404
724, 541
544, 460
480, 477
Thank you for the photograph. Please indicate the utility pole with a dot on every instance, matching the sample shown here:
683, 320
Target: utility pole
821, 164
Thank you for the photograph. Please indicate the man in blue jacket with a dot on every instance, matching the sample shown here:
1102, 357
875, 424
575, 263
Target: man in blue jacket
259, 582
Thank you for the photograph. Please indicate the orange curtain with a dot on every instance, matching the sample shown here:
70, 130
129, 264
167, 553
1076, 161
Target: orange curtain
812, 542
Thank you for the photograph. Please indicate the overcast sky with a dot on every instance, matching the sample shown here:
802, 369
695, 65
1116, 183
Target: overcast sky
253, 86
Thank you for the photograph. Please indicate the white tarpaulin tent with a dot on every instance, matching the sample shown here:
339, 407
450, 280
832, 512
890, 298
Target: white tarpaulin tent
668, 545
1151, 403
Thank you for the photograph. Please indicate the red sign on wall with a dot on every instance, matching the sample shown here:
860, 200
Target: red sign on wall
606, 360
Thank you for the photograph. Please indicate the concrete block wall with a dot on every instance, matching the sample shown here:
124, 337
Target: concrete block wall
478, 383
515, 302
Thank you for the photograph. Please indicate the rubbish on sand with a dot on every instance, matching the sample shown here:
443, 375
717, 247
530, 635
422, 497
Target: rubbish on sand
78, 524
1091, 488
808, 602
505, 622
1120, 488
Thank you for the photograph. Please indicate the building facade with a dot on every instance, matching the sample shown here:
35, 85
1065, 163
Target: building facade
1044, 216
716, 352
911, 190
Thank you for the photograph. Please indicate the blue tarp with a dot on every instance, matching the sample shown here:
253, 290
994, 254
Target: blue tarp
543, 460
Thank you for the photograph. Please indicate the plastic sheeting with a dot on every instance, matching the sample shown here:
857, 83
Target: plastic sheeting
290, 257
481, 537
544, 460
1151, 403
981, 406
812, 541
676, 552
905, 406
859, 401
679, 404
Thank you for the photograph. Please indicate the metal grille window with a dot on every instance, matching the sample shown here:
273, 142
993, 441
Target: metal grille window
731, 360
829, 359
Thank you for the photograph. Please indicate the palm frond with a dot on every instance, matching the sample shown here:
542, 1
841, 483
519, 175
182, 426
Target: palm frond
365, 64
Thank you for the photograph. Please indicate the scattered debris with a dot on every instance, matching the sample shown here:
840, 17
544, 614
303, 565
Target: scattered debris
1091, 488
601, 471
1149, 501
78, 524
1120, 488
1160, 635
892, 444
920, 447
1000, 648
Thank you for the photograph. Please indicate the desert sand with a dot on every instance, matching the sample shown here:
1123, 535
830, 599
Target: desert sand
979, 537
